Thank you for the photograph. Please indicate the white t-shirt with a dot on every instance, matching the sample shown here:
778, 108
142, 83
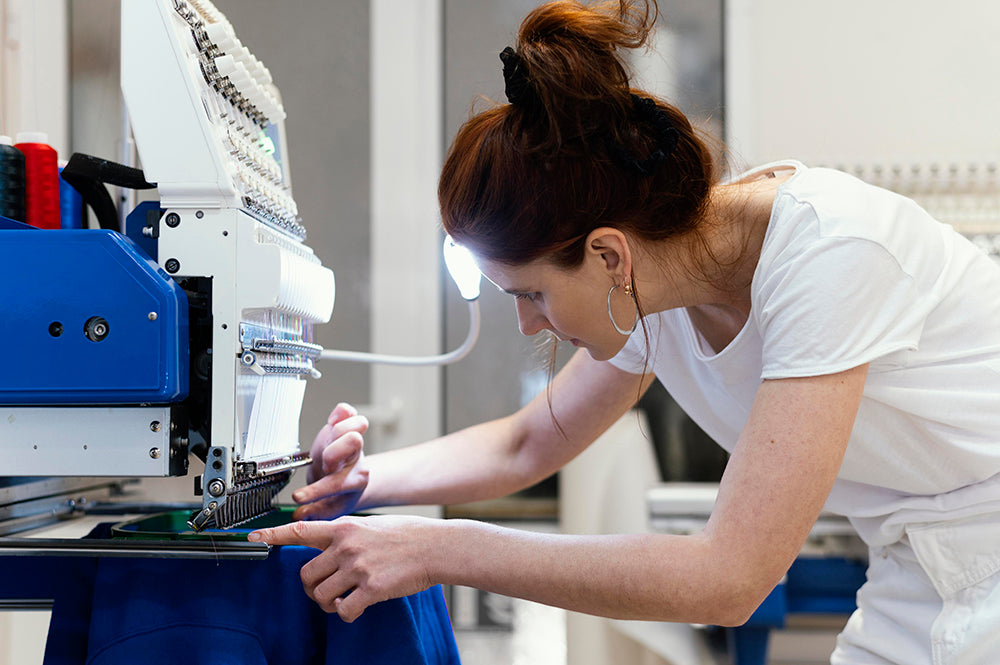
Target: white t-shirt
850, 274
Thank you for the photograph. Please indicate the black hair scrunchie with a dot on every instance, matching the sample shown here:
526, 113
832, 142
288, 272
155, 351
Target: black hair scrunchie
666, 135
517, 86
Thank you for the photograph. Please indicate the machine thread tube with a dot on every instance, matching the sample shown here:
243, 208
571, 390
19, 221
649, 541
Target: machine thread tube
11, 181
41, 194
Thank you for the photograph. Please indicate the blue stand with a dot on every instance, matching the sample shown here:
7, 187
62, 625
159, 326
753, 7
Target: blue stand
812, 586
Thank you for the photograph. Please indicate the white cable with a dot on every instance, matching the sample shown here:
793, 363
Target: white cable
443, 359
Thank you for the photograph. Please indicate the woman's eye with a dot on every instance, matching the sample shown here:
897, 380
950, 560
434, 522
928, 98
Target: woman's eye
531, 297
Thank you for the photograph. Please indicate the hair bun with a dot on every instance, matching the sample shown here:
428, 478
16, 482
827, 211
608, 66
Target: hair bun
617, 24
571, 54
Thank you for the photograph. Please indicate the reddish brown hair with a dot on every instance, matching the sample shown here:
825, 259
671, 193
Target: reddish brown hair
522, 182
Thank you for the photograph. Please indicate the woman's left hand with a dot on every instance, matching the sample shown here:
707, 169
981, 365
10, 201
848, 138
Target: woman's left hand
364, 560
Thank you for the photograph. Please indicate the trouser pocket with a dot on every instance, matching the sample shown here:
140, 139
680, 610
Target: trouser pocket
962, 558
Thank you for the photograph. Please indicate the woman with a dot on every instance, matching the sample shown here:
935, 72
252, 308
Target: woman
840, 343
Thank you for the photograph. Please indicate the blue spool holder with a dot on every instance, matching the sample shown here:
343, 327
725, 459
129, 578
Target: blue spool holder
70, 205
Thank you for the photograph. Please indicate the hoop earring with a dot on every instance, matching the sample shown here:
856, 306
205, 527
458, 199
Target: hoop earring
628, 292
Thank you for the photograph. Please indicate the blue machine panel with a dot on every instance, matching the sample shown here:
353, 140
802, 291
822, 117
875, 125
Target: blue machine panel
87, 318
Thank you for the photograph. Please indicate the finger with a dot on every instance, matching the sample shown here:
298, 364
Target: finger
351, 606
325, 509
325, 454
330, 433
335, 504
319, 568
332, 589
323, 438
344, 451
309, 534
341, 411
357, 424
347, 480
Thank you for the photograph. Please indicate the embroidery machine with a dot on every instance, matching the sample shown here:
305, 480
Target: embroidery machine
190, 330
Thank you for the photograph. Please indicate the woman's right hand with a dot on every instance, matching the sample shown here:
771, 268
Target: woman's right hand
339, 473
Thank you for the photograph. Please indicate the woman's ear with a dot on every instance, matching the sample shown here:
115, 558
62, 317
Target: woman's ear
610, 246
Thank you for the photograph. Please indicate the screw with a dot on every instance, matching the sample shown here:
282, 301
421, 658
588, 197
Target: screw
152, 316
173, 219
172, 265
154, 453
154, 426
216, 487
199, 214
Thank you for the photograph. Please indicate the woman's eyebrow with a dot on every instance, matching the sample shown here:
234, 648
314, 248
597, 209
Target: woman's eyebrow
514, 291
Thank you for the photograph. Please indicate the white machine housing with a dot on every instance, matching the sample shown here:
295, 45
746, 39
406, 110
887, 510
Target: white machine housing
209, 128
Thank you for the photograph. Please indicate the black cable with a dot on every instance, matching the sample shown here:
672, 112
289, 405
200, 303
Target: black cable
89, 175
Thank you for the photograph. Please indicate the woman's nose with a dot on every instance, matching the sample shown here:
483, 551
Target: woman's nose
529, 319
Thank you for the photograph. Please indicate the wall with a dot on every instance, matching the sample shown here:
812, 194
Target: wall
902, 93
34, 69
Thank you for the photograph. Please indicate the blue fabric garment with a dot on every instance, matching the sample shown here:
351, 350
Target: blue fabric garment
167, 611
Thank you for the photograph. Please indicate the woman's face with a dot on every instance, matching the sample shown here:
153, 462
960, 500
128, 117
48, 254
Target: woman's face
572, 304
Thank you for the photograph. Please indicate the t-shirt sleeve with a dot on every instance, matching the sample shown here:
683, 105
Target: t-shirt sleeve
834, 304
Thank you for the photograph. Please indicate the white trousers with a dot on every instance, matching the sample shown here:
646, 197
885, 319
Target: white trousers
931, 599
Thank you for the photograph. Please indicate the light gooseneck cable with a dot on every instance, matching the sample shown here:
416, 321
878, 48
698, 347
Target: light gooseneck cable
466, 274
442, 359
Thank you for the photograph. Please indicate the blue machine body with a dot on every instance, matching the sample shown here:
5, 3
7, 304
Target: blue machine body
56, 289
